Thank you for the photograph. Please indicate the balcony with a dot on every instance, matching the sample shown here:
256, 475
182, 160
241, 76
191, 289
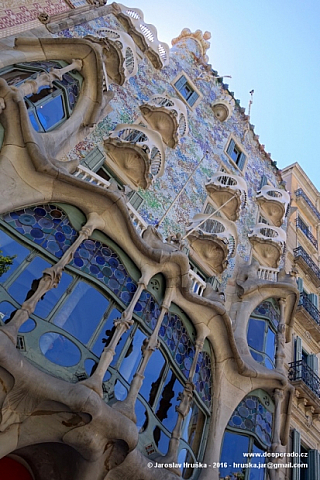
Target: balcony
90, 177
143, 34
119, 54
301, 198
212, 242
268, 274
304, 229
273, 203
228, 191
309, 316
137, 154
168, 116
268, 243
307, 265
306, 382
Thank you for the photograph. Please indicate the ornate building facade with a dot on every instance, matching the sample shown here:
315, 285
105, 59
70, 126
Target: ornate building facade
147, 292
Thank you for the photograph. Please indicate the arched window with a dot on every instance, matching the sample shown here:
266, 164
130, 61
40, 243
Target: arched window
73, 323
52, 104
261, 335
249, 431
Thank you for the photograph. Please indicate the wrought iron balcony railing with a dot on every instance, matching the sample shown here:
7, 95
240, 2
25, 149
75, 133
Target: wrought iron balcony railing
301, 371
300, 193
306, 303
303, 227
300, 253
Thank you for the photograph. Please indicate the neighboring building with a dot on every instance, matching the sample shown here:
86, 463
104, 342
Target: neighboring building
147, 313
303, 254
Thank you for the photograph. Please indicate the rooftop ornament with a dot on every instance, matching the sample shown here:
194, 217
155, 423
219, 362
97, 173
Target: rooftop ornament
199, 37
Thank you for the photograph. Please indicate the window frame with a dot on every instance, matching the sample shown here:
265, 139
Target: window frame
243, 156
187, 82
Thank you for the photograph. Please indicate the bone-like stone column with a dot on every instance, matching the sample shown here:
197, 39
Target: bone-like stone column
183, 408
44, 79
50, 279
276, 442
280, 340
121, 324
149, 346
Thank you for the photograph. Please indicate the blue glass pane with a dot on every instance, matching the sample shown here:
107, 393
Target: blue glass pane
257, 473
27, 282
59, 349
161, 440
152, 375
142, 417
28, 326
10, 248
270, 344
234, 445
50, 299
132, 357
82, 311
6, 311
120, 391
256, 334
106, 333
166, 411
51, 112
193, 427
259, 358
33, 121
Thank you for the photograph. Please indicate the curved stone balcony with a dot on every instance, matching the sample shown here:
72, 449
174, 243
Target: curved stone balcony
273, 203
143, 34
268, 243
168, 116
212, 242
121, 57
228, 191
137, 154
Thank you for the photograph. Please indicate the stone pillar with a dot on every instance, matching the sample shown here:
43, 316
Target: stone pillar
280, 340
121, 324
183, 408
127, 406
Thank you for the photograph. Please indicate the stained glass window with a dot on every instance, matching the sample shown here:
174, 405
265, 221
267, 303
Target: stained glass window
250, 432
46, 225
79, 318
261, 334
102, 263
52, 103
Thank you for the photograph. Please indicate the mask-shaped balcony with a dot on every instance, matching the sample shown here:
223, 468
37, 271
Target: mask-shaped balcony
137, 154
212, 243
143, 34
168, 116
273, 203
224, 187
268, 243
120, 56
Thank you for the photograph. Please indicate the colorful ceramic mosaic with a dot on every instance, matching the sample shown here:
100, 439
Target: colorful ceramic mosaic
205, 133
268, 309
203, 378
252, 416
176, 338
12, 15
47, 226
99, 261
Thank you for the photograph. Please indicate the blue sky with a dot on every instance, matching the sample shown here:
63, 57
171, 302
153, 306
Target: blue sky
271, 46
